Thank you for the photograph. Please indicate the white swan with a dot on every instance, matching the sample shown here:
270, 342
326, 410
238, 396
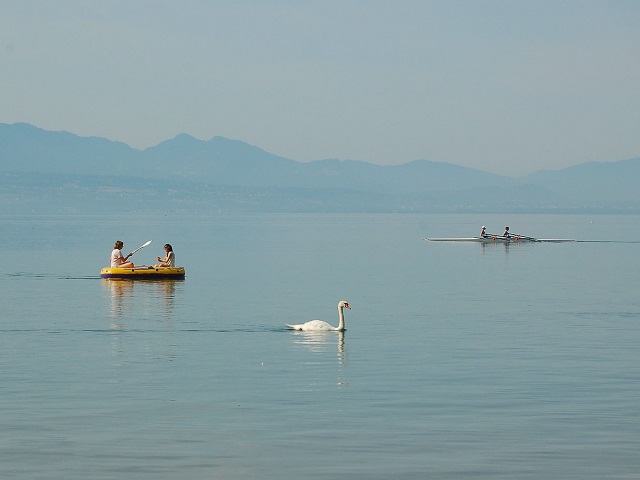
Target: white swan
320, 326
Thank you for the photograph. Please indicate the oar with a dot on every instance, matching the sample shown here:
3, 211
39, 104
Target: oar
141, 246
524, 237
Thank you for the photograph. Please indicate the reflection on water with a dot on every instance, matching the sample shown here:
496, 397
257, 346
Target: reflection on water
129, 296
120, 293
318, 341
321, 342
167, 291
136, 306
503, 246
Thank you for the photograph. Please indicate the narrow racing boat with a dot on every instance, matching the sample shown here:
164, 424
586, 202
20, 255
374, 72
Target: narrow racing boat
492, 239
143, 273
501, 239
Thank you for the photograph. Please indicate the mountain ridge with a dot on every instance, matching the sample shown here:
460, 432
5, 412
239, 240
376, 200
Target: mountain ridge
415, 186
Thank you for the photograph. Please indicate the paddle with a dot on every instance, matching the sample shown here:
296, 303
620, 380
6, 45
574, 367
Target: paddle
524, 237
142, 246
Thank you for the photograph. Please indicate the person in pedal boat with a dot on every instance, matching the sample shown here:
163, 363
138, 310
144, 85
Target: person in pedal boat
117, 260
169, 260
506, 232
483, 232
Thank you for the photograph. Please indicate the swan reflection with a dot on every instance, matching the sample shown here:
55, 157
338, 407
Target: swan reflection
318, 341
322, 342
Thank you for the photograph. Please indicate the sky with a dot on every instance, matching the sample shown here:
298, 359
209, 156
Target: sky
505, 86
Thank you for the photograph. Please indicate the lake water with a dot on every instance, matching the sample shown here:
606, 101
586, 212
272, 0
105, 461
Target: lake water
460, 360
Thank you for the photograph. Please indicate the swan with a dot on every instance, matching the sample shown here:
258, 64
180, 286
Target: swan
320, 326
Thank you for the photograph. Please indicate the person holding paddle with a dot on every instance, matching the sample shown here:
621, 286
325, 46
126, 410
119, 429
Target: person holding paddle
169, 260
117, 260
506, 232
483, 232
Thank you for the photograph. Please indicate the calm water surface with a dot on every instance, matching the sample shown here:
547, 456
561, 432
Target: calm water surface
460, 360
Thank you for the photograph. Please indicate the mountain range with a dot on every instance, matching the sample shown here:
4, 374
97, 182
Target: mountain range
46, 171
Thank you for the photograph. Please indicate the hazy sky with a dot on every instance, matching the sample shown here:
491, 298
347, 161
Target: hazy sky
505, 86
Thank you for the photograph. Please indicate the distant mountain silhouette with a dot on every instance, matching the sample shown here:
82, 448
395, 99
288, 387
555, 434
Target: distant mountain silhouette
52, 171
601, 182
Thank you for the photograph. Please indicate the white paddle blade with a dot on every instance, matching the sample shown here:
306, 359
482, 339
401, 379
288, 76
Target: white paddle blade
141, 246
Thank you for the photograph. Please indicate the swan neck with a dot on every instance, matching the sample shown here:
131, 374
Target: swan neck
341, 317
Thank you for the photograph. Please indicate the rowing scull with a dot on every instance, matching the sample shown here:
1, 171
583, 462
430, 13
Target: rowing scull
500, 239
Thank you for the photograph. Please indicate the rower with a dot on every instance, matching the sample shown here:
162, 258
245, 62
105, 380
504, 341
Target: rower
506, 232
483, 232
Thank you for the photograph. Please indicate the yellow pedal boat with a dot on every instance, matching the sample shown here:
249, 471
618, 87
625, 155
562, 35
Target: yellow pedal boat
143, 273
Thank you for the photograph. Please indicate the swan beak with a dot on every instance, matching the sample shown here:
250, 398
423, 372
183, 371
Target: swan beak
346, 305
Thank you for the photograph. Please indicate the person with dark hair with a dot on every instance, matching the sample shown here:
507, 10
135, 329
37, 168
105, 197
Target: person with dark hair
169, 260
117, 260
506, 233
